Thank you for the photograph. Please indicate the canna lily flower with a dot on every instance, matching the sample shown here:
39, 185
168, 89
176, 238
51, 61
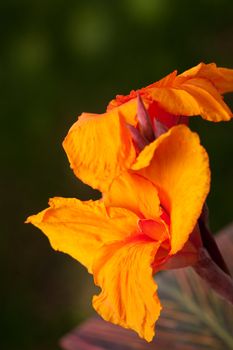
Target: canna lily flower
150, 205
174, 98
168, 102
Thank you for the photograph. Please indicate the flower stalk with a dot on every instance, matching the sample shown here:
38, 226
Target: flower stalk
209, 242
215, 277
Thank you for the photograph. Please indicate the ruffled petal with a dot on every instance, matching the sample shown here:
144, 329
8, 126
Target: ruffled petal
179, 167
128, 297
134, 192
190, 98
81, 228
212, 107
99, 147
197, 91
175, 101
221, 78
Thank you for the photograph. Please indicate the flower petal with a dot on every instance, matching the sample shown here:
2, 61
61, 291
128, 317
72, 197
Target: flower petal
81, 228
179, 167
197, 91
221, 78
190, 98
128, 110
145, 156
211, 104
175, 101
128, 297
96, 162
134, 192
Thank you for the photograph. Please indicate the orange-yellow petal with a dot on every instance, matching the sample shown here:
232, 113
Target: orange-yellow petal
190, 98
128, 110
81, 228
134, 192
175, 101
128, 297
197, 91
179, 167
211, 104
221, 78
99, 147
145, 156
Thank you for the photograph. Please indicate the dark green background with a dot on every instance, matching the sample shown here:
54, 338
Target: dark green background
59, 58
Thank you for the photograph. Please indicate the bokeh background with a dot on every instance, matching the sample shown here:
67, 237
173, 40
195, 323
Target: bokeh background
59, 58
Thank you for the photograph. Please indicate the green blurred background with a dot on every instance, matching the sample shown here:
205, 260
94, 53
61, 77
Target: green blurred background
59, 58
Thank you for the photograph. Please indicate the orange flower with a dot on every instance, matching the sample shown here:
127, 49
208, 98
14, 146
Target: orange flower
149, 208
172, 100
197, 91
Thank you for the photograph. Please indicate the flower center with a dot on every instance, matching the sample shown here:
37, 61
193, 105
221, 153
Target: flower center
155, 229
